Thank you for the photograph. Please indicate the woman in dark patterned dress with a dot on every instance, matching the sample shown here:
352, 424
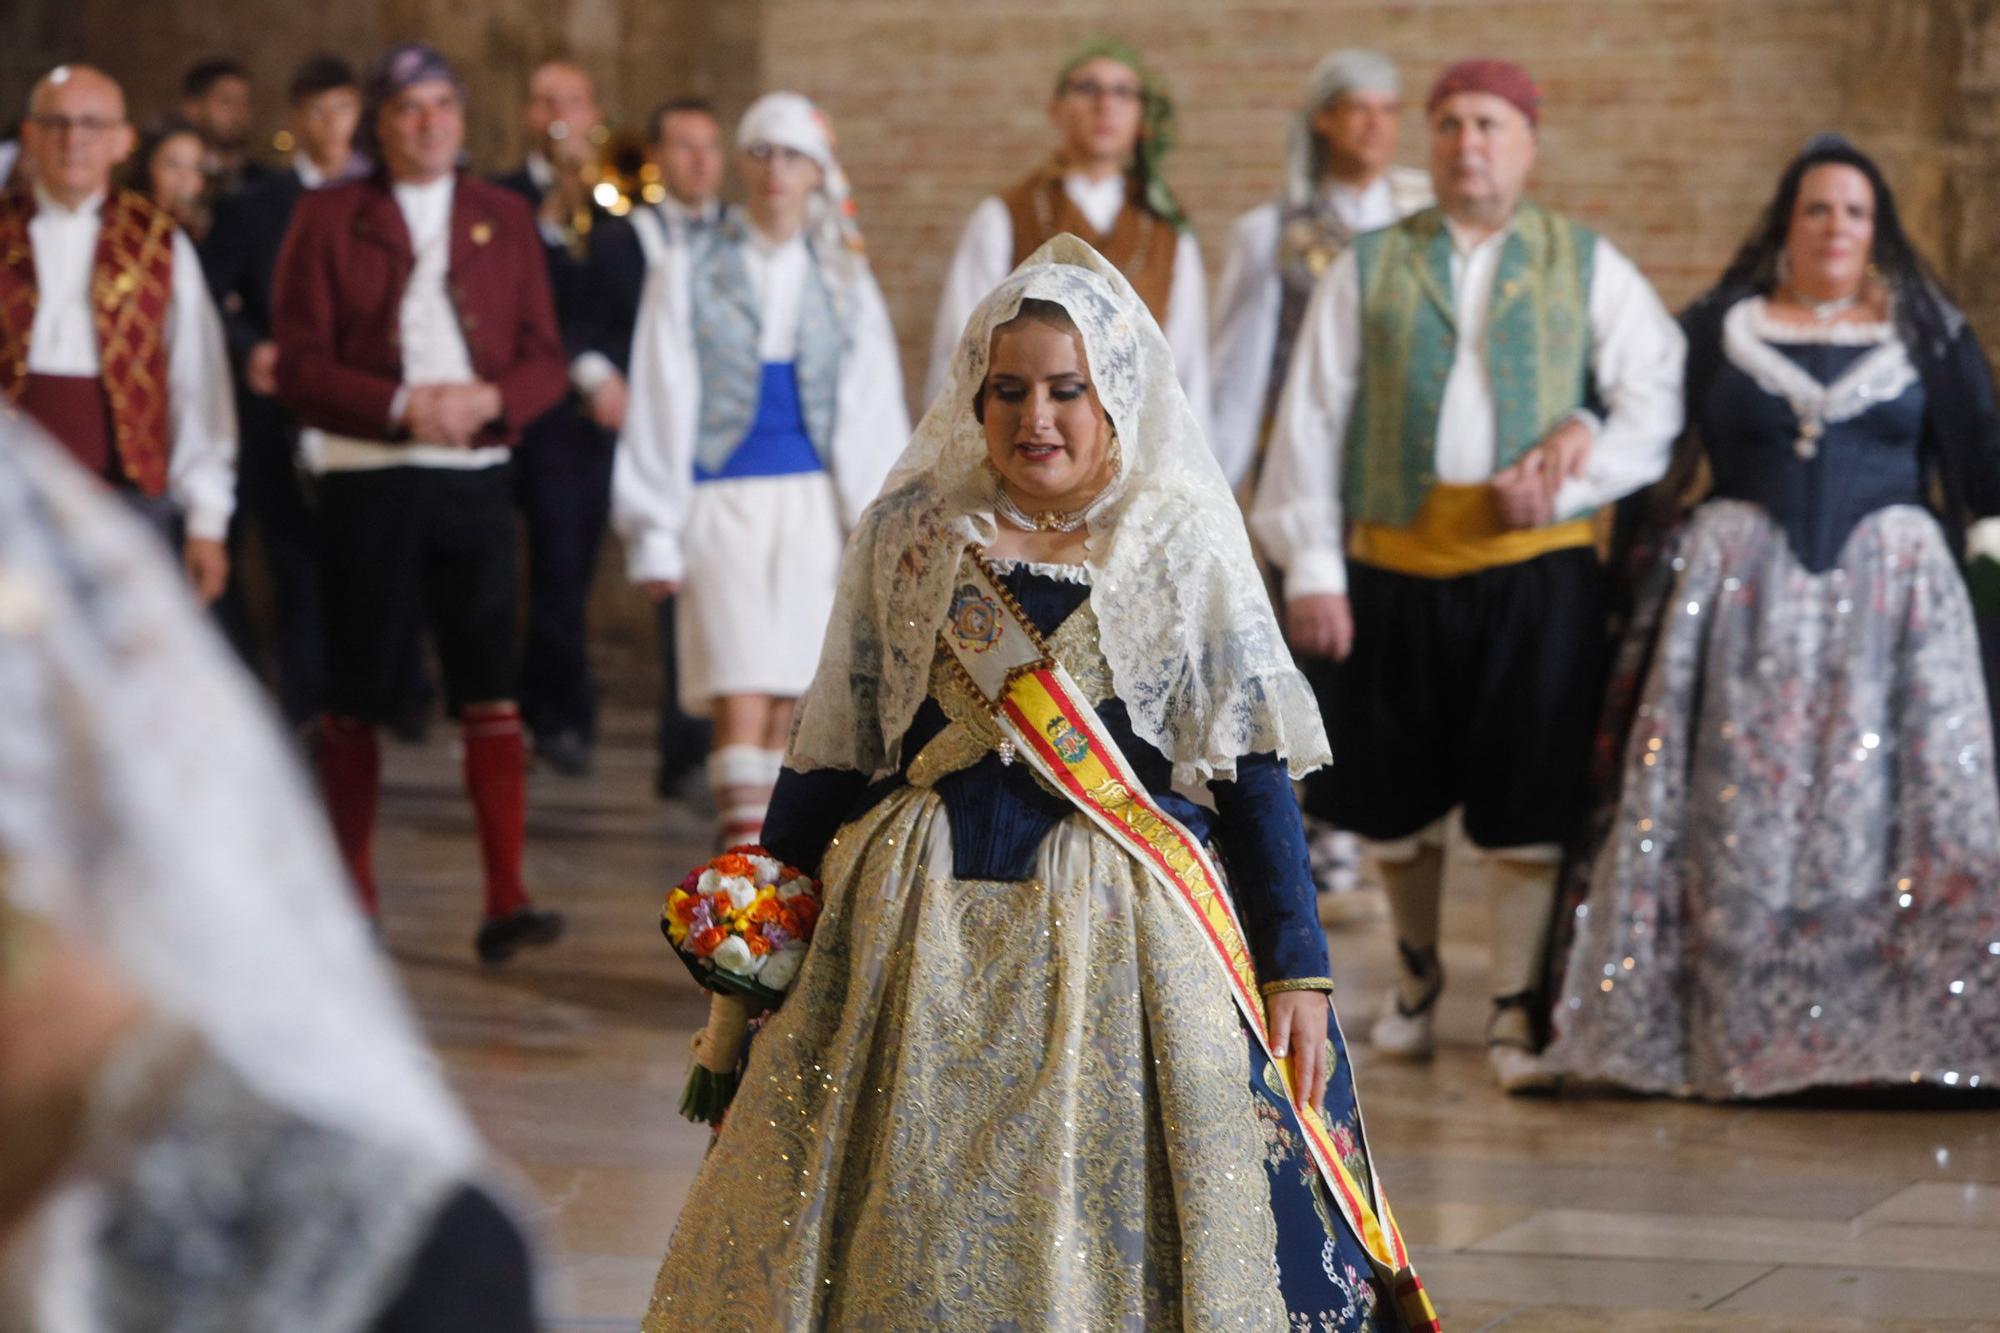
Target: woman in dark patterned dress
1800, 885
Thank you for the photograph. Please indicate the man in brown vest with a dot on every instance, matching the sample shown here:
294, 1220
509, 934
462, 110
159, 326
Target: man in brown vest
108, 337
1103, 184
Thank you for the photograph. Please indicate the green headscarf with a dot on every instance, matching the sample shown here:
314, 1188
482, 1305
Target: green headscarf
1156, 125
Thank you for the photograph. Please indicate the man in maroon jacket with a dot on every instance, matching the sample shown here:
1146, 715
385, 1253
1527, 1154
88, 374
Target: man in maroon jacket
416, 337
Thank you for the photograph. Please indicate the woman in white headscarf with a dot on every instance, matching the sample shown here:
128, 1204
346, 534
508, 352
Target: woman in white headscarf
1032, 1072
215, 1112
767, 405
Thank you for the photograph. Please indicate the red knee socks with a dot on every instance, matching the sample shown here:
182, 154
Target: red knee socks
350, 775
496, 780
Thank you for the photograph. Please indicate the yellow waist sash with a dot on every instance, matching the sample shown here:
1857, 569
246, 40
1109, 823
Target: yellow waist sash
1048, 723
1457, 531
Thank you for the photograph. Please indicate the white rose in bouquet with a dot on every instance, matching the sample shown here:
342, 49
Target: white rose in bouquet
733, 955
792, 888
766, 869
708, 882
782, 965
740, 890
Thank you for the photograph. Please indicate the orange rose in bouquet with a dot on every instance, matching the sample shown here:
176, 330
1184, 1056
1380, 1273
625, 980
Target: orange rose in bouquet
741, 923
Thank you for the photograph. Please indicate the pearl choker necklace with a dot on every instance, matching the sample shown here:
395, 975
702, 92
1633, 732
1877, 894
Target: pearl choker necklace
1049, 520
1825, 312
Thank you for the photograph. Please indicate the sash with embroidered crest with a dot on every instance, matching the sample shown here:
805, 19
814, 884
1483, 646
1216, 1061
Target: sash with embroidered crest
1047, 722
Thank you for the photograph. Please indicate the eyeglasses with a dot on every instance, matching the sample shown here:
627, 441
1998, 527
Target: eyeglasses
50, 124
778, 154
1090, 90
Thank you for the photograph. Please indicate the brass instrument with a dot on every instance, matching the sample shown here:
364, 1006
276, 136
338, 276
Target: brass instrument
613, 176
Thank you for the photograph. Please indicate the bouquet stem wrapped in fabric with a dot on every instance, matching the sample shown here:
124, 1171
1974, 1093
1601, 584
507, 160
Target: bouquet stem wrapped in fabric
741, 923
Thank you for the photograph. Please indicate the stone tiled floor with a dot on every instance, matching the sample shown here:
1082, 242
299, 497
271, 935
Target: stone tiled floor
1530, 1216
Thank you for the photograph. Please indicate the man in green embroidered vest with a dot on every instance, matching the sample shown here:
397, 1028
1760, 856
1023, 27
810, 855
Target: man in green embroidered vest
1470, 385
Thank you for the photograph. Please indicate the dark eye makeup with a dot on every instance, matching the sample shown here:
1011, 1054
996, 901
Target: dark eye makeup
1013, 391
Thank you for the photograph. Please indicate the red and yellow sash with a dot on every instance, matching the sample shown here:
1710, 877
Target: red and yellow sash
1047, 722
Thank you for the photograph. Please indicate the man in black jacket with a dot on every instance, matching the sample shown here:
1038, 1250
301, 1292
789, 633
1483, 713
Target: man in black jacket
562, 471
239, 256
684, 139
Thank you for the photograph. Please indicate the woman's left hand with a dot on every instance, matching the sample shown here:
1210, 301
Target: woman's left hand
1298, 1028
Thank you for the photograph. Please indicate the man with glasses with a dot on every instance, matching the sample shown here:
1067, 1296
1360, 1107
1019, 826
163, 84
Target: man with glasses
1115, 125
416, 332
107, 334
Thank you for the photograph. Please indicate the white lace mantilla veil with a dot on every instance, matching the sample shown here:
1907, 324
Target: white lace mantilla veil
149, 810
1183, 617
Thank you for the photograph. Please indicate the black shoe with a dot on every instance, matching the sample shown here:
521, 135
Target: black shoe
567, 752
500, 937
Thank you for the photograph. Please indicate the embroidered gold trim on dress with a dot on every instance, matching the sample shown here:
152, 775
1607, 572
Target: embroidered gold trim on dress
971, 733
1271, 988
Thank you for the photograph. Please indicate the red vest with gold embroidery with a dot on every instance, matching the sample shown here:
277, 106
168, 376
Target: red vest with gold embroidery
131, 285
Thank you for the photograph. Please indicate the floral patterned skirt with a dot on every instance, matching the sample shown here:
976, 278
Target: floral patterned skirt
1801, 883
1025, 1105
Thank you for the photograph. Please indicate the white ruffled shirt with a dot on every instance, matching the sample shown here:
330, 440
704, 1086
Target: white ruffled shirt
201, 402
1636, 358
1251, 297
652, 482
985, 255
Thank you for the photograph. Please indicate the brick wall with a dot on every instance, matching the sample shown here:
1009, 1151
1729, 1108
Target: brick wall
1665, 123
1666, 120
1923, 86
639, 50
1665, 126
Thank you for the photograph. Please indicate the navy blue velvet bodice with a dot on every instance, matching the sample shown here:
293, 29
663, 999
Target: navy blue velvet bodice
1861, 465
999, 814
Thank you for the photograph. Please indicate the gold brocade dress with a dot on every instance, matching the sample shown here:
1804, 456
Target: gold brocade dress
988, 1104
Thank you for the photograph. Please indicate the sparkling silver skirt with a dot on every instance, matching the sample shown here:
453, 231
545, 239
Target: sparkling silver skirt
1801, 886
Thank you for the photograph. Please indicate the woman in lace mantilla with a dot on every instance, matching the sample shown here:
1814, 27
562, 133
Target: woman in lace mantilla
1797, 878
1010, 1087
216, 1113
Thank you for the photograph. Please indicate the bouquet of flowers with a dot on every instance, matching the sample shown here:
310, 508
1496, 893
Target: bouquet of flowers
741, 923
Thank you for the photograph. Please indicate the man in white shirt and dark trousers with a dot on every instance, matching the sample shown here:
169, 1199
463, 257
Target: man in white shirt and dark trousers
1339, 183
684, 139
562, 471
1470, 385
417, 334
108, 337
